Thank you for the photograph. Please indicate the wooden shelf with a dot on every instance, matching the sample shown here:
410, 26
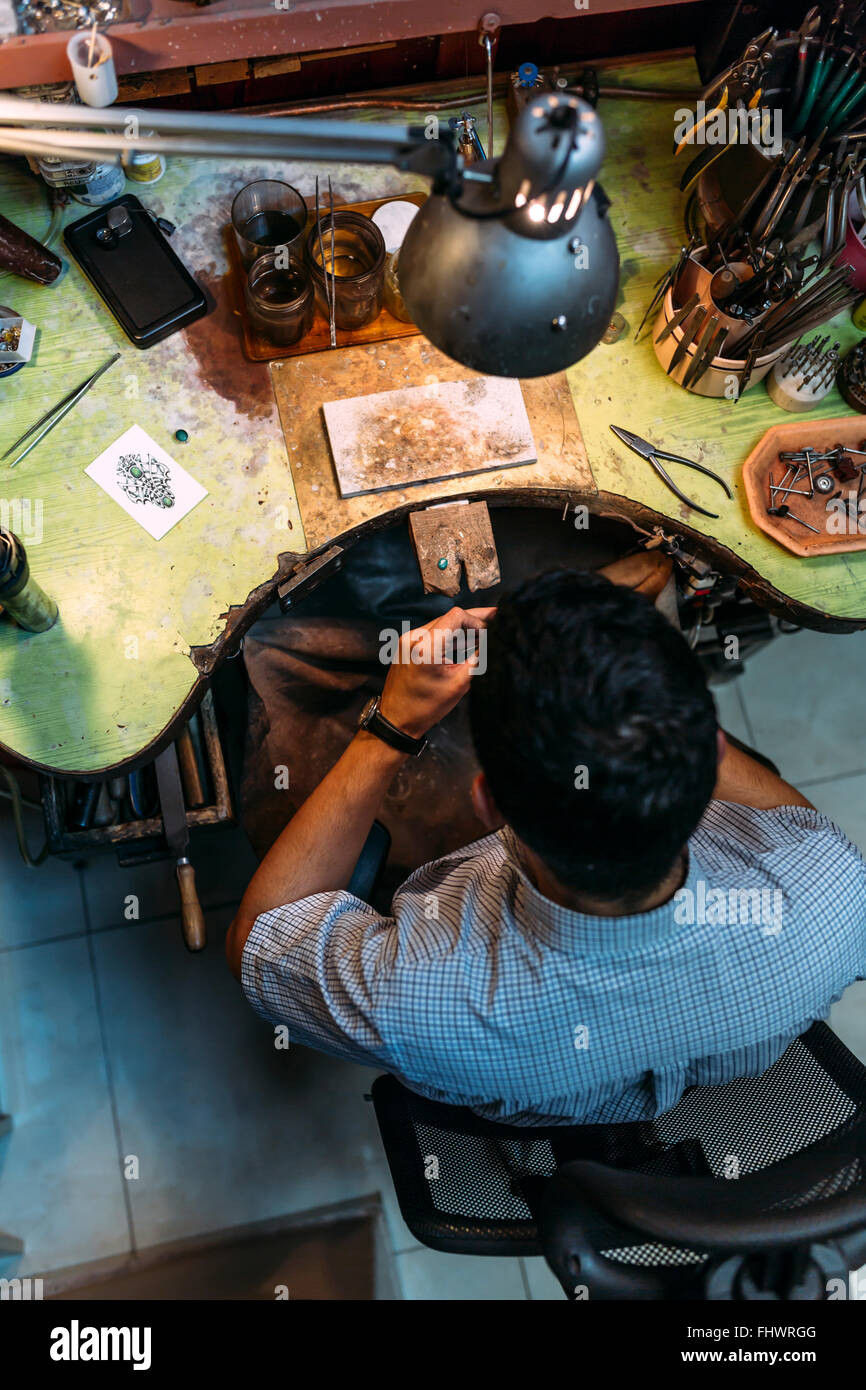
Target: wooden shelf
166, 34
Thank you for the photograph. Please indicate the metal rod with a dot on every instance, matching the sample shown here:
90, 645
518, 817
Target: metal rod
488, 48
290, 137
70, 404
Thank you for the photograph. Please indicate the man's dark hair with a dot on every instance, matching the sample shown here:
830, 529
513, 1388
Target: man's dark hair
582, 673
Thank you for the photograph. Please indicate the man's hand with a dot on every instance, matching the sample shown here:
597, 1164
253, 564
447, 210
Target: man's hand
433, 668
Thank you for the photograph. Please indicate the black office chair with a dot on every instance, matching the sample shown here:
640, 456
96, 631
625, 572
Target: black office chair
751, 1190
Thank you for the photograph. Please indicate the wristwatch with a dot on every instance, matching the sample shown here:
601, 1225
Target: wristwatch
375, 722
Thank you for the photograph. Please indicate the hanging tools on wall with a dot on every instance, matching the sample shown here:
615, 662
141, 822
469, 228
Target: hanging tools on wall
468, 140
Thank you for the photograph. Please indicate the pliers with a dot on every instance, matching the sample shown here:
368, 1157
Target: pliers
653, 455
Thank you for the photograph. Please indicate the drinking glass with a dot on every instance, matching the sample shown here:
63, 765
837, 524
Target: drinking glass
267, 215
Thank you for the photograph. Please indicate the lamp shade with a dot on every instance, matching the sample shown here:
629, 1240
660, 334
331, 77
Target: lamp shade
518, 276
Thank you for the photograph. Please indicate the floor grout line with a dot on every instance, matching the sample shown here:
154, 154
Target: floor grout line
738, 691
157, 919
833, 777
109, 1072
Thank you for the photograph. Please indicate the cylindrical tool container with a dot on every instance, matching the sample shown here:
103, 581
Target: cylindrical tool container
24, 600
357, 263
92, 62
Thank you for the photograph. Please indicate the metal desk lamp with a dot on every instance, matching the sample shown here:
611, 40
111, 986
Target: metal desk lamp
511, 266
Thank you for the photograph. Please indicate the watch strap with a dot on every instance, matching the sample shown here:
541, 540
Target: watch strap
376, 723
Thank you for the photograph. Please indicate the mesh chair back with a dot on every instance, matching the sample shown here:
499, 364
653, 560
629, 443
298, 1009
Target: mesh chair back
472, 1186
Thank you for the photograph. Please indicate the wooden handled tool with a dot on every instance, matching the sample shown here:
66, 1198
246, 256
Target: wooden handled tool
189, 771
25, 256
177, 834
192, 917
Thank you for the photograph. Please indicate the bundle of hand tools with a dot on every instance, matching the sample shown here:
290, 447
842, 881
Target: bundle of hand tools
748, 306
800, 99
794, 107
805, 374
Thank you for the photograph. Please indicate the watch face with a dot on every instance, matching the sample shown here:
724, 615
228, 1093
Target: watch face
368, 711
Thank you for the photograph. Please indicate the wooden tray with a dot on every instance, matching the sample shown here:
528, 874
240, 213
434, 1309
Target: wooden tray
302, 386
258, 349
764, 459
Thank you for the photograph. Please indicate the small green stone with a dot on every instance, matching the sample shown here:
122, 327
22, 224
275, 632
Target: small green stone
181, 436
443, 563
135, 471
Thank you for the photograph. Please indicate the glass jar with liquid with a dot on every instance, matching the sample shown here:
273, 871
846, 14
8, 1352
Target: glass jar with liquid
357, 262
268, 215
280, 299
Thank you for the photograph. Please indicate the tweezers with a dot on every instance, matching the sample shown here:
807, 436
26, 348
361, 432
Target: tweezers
56, 413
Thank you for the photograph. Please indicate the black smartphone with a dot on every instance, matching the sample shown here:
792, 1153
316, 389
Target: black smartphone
131, 266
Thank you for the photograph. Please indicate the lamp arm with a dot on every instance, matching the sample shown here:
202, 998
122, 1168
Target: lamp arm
67, 131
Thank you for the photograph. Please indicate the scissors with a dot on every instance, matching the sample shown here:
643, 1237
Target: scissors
653, 455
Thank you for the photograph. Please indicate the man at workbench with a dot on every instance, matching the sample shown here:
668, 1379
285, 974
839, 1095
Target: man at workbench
652, 909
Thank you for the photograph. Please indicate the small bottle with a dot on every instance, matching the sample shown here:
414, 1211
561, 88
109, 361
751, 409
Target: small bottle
23, 599
144, 166
90, 182
106, 183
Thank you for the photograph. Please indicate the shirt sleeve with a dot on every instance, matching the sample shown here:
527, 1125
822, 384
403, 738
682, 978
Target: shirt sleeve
316, 966
820, 871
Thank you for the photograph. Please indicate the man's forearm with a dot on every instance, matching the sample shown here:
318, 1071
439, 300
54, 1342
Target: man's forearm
747, 782
318, 850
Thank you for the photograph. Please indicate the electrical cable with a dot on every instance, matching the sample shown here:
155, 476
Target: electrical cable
18, 804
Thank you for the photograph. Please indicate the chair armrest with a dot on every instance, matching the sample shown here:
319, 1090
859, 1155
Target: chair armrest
717, 1214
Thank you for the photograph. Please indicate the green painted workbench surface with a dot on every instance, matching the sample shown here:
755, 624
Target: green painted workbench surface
110, 677
623, 384
137, 615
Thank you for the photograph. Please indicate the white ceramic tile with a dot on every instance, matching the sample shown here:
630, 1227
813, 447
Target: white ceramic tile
61, 1188
803, 694
543, 1283
729, 706
844, 800
429, 1275
38, 904
227, 1129
848, 1019
223, 861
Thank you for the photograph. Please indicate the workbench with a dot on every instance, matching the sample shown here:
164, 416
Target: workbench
144, 624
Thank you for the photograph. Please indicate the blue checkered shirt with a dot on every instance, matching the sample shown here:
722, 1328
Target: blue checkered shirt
479, 991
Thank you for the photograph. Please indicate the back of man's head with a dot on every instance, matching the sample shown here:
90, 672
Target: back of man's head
596, 732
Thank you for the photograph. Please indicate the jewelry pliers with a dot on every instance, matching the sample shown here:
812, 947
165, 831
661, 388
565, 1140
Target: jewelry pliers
653, 455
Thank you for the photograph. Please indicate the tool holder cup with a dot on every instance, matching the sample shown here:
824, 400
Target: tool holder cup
20, 595
723, 375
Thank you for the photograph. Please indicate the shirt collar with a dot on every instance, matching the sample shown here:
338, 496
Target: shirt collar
560, 926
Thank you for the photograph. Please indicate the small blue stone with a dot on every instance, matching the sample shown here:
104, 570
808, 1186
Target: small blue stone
443, 563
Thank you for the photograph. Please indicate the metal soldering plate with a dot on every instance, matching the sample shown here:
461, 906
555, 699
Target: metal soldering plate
417, 434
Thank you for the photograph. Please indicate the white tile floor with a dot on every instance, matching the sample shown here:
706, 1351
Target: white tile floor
116, 1044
